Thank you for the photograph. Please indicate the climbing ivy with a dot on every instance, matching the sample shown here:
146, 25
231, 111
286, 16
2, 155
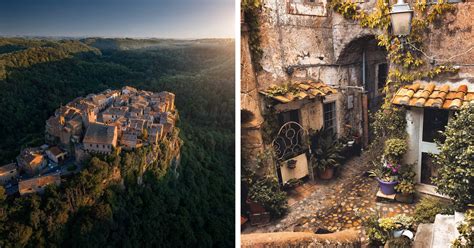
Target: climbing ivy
251, 10
406, 57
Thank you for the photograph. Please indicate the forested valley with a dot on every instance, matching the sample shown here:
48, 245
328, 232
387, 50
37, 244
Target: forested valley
192, 206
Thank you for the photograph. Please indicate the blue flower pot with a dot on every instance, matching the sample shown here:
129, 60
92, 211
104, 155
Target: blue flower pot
387, 188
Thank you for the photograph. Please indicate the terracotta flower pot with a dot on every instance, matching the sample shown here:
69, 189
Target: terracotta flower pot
254, 207
326, 174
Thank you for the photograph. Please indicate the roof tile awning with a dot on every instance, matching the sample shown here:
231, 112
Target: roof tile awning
430, 95
300, 91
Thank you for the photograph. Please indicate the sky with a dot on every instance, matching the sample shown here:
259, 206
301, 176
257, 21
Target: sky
182, 19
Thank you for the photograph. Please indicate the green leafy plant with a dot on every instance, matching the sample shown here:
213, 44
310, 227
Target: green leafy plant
384, 173
380, 230
456, 159
394, 149
405, 187
466, 232
283, 89
387, 224
292, 183
377, 235
403, 221
251, 11
266, 191
427, 209
400, 242
407, 180
326, 150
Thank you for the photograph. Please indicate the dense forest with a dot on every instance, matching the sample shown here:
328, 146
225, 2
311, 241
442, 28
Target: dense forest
192, 206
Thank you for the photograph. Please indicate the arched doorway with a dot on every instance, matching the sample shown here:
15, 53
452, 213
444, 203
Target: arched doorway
372, 61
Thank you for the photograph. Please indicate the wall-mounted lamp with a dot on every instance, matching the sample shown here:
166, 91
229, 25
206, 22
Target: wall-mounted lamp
401, 16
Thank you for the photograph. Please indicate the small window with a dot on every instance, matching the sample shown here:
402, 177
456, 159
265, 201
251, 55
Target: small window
330, 117
292, 115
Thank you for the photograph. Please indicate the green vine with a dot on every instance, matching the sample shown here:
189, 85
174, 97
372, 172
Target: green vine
407, 58
251, 10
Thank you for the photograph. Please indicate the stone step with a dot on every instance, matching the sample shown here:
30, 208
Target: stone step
444, 231
423, 236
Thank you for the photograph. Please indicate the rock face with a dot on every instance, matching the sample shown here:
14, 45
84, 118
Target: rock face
252, 142
343, 239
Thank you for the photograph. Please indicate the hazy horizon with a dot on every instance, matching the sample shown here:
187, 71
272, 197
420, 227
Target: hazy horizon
139, 19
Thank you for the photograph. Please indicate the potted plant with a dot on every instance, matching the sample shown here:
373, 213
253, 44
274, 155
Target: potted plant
326, 153
406, 185
387, 176
291, 164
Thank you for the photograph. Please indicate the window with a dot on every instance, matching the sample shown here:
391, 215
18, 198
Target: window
434, 121
382, 73
292, 115
330, 117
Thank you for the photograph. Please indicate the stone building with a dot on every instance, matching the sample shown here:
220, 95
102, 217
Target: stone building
307, 42
100, 138
64, 127
55, 154
31, 161
38, 184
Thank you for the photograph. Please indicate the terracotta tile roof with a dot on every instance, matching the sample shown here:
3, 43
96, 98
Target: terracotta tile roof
303, 90
55, 151
37, 183
99, 133
7, 168
430, 95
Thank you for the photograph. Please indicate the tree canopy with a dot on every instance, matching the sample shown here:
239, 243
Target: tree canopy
192, 206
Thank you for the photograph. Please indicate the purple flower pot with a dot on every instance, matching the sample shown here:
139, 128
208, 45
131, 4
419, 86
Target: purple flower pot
387, 188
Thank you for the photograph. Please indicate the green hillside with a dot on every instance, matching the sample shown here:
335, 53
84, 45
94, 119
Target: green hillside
195, 210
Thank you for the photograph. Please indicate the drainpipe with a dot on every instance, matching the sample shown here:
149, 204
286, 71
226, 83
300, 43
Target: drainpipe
365, 109
363, 68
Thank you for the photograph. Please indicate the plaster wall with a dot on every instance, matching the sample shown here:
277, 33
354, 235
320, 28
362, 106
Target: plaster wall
414, 117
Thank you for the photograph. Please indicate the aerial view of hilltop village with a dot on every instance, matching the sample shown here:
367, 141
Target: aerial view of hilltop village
97, 124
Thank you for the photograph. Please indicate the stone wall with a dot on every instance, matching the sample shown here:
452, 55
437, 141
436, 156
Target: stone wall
343, 239
451, 39
251, 117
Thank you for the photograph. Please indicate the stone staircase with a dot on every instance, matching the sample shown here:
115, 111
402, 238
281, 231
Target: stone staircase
439, 234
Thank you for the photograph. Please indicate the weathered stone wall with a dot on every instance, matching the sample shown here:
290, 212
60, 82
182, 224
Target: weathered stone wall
343, 239
300, 41
451, 39
251, 136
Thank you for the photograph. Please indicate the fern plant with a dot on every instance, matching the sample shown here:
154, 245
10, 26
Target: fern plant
326, 150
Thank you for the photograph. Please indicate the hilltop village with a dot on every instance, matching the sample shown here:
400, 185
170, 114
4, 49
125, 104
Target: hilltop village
102, 123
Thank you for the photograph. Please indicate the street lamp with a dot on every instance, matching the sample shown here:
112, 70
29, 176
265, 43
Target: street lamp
401, 15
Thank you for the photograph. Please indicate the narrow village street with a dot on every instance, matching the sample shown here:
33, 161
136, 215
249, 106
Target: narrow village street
335, 205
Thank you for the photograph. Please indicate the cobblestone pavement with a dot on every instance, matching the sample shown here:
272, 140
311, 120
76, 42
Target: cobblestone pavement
334, 205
